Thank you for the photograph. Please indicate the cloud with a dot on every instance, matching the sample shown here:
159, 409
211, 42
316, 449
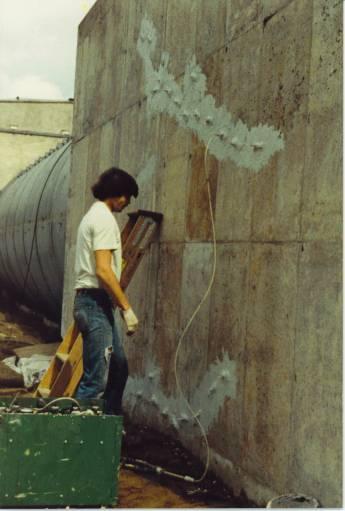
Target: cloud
38, 41
29, 86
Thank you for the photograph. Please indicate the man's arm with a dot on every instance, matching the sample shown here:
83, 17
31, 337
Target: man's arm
108, 279
111, 284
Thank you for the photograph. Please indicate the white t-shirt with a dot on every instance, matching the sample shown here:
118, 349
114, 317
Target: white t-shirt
98, 230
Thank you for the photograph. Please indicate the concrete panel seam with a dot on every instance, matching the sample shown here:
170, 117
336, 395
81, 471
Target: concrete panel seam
268, 18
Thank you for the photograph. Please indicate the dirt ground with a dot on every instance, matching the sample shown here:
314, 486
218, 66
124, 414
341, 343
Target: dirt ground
137, 489
159, 450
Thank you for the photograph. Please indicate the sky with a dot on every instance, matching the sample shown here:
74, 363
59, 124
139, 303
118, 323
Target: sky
38, 44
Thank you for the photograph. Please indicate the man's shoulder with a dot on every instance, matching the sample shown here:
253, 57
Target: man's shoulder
99, 217
99, 211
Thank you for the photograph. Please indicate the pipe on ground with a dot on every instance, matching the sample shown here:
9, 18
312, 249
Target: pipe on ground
32, 232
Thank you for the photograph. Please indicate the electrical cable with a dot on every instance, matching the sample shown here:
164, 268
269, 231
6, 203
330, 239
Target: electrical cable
145, 466
157, 469
197, 309
40, 410
37, 211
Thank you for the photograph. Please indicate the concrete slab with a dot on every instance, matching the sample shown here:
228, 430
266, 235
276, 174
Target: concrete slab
141, 139
100, 61
241, 76
146, 180
322, 185
235, 185
271, 8
242, 16
143, 284
234, 203
198, 218
153, 262
133, 72
285, 63
211, 66
131, 136
76, 204
315, 456
110, 139
76, 210
95, 68
210, 27
93, 169
326, 56
136, 346
114, 58
277, 190
80, 85
227, 330
171, 198
180, 33
175, 140
268, 360
192, 358
94, 16
261, 75
167, 314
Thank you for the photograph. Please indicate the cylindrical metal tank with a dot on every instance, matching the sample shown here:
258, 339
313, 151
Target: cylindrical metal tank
32, 232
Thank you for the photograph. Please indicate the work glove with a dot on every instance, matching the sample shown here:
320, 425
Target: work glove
131, 321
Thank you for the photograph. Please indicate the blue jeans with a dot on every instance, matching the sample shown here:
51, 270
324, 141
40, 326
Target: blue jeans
94, 316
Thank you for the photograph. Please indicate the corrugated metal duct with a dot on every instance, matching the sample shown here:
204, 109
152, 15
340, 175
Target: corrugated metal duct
32, 232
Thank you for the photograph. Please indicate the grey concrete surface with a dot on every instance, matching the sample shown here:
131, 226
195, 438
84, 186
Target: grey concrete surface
274, 309
33, 128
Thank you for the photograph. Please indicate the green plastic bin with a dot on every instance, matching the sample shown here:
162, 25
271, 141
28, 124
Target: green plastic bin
58, 460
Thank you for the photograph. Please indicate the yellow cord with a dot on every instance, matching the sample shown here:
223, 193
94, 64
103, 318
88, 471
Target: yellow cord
194, 315
66, 398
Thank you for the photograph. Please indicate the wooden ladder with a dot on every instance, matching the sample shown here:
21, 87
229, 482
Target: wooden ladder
66, 369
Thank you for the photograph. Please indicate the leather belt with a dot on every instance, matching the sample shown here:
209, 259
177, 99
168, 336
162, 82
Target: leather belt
92, 291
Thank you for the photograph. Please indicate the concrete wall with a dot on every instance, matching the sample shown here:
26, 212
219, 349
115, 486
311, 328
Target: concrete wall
29, 129
262, 362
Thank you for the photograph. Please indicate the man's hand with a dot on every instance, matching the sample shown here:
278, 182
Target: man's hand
131, 321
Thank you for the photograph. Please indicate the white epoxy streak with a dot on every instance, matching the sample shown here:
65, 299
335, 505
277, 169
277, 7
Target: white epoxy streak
218, 383
195, 110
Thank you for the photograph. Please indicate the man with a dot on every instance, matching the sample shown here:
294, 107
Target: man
98, 291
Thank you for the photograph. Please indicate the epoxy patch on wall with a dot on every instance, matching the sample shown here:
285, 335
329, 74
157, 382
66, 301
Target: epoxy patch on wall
218, 383
193, 109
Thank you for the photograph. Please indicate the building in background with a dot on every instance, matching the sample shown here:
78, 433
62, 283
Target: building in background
28, 130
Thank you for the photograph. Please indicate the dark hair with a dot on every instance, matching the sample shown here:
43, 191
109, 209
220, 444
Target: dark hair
114, 182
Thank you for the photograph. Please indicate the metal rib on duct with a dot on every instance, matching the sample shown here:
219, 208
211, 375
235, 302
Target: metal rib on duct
33, 215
